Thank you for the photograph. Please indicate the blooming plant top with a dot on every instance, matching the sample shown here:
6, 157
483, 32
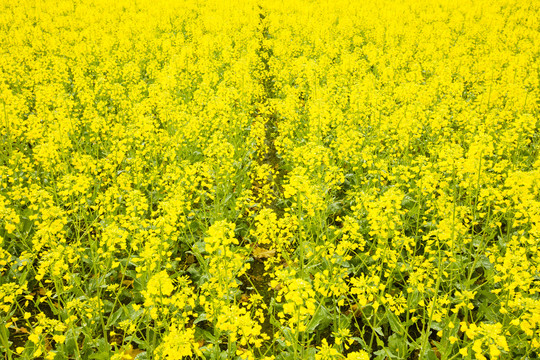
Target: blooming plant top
269, 180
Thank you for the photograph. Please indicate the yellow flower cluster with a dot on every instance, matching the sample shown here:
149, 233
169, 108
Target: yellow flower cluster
268, 180
178, 344
298, 299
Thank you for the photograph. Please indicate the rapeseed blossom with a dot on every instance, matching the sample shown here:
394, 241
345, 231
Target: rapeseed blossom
255, 180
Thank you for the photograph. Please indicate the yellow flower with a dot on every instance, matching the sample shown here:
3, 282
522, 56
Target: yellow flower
159, 285
177, 344
326, 352
358, 355
34, 338
59, 338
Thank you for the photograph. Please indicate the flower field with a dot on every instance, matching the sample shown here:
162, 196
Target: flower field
269, 180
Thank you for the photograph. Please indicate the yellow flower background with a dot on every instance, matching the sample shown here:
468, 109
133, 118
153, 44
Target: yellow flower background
269, 180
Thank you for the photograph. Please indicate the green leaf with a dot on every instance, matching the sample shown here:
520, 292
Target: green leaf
484, 262
71, 340
201, 317
204, 334
285, 355
430, 355
380, 343
137, 341
396, 342
113, 319
104, 351
395, 323
385, 353
133, 315
415, 298
322, 319
108, 306
360, 341
344, 321
142, 356
310, 353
